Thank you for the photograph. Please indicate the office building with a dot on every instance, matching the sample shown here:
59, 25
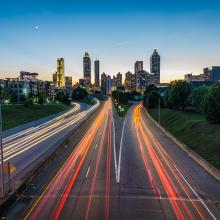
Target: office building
114, 83
20, 88
192, 78
97, 74
103, 83
130, 82
155, 66
68, 81
213, 73
58, 76
108, 85
24, 75
81, 82
138, 66
119, 80
87, 70
142, 80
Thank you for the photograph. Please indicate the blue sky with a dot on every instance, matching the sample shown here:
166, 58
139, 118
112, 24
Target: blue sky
186, 34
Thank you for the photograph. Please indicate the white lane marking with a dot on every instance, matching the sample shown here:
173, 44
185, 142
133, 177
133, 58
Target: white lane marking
195, 193
119, 159
87, 173
96, 146
115, 160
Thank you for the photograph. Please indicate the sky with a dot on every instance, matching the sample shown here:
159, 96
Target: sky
34, 33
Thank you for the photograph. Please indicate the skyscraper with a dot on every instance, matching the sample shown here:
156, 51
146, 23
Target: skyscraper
155, 66
58, 76
97, 83
130, 82
108, 85
119, 79
103, 83
142, 80
68, 81
138, 66
87, 70
214, 73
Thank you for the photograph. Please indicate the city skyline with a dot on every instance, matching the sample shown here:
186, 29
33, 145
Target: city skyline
185, 35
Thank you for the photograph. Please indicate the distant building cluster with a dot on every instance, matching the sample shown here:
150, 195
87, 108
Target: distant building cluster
136, 81
210, 76
26, 84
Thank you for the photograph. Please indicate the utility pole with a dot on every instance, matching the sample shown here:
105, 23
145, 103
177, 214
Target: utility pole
159, 112
2, 156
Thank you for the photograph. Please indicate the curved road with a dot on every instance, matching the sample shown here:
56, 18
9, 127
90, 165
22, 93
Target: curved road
27, 148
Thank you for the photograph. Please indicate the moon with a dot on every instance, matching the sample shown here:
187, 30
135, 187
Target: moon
36, 27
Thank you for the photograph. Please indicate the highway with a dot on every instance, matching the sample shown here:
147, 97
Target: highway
25, 149
127, 169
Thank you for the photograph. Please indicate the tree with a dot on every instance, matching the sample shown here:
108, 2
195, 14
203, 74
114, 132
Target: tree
197, 96
79, 93
211, 104
134, 96
122, 97
152, 99
178, 94
150, 88
66, 100
42, 98
59, 96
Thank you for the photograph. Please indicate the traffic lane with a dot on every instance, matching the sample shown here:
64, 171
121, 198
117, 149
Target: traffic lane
43, 140
174, 162
25, 129
136, 198
165, 186
57, 191
90, 183
207, 185
14, 147
27, 158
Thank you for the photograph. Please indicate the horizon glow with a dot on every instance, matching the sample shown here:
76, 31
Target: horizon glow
118, 33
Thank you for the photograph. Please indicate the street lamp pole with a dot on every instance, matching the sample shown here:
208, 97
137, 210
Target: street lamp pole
2, 156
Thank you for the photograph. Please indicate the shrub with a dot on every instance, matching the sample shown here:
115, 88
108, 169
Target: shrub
211, 104
178, 94
197, 97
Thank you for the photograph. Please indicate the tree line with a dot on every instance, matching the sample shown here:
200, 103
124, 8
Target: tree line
180, 95
77, 94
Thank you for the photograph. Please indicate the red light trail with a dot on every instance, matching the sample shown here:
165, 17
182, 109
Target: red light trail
75, 160
163, 164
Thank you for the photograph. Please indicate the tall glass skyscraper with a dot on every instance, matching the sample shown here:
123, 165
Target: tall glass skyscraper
87, 70
58, 76
155, 66
97, 74
138, 66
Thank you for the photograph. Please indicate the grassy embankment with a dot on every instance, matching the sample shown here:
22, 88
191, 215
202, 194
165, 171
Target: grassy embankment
193, 130
14, 115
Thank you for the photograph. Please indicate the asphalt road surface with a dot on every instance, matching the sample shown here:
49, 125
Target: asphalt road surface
128, 169
26, 148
